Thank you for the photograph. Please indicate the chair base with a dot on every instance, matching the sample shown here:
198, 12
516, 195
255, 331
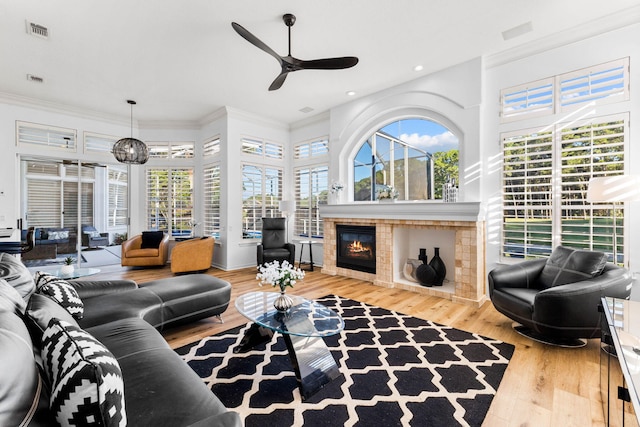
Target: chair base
544, 339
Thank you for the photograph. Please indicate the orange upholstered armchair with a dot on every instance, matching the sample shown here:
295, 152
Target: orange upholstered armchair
145, 250
192, 255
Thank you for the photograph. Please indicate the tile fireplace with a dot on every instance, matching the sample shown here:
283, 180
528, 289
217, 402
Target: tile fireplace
396, 224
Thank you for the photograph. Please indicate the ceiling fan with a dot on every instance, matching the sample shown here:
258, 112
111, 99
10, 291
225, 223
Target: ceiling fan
290, 64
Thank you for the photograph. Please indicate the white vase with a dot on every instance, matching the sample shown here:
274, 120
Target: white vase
66, 269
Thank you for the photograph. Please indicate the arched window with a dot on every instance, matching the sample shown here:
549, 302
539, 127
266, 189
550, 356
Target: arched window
415, 157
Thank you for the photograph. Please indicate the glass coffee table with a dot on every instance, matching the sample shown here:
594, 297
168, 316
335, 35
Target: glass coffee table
302, 327
76, 273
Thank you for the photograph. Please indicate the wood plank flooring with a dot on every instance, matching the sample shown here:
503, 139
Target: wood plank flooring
543, 385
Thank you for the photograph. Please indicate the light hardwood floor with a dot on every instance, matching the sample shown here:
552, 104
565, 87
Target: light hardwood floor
543, 385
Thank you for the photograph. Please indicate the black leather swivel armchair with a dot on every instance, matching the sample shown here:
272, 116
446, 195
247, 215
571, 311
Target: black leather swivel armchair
550, 301
274, 246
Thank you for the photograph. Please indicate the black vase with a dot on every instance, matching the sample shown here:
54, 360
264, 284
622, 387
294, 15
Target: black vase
425, 274
439, 268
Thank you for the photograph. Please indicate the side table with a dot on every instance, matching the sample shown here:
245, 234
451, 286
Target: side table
310, 244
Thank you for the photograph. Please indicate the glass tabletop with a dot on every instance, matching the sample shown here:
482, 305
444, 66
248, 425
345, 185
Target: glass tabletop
306, 318
77, 272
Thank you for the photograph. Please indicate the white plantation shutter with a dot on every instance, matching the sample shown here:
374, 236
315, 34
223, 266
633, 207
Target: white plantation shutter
211, 183
601, 83
170, 199
311, 187
311, 149
545, 181
530, 100
256, 147
46, 136
527, 194
590, 149
261, 194
118, 210
96, 143
211, 147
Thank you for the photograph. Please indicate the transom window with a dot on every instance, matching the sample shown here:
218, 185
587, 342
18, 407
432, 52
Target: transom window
414, 156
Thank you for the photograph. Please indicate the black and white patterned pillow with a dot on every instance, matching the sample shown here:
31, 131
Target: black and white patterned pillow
61, 291
86, 381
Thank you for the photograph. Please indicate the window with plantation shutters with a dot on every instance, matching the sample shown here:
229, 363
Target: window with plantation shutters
171, 150
545, 180
530, 100
312, 190
596, 85
118, 209
96, 143
211, 147
211, 183
601, 83
311, 149
264, 149
46, 136
261, 194
170, 200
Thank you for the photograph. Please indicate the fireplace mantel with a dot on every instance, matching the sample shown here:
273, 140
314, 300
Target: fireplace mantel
430, 210
392, 220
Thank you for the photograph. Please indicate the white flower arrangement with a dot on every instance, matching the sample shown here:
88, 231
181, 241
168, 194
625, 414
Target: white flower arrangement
386, 192
276, 274
336, 187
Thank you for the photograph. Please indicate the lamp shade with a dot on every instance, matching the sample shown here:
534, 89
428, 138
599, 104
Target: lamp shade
131, 150
618, 188
287, 206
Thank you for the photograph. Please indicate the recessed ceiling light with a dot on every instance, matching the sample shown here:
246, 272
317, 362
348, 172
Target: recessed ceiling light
418, 68
350, 93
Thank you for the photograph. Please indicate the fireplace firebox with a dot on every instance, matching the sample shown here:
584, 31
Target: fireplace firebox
356, 247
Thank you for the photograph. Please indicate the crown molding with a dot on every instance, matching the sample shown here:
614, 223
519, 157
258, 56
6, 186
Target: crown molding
615, 21
55, 107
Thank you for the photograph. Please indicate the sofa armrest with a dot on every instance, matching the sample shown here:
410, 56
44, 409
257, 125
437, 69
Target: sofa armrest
94, 288
521, 275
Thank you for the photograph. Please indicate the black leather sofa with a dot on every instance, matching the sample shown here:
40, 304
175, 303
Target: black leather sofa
556, 299
159, 388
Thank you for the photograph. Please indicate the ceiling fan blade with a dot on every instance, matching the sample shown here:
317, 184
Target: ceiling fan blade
277, 83
329, 63
255, 41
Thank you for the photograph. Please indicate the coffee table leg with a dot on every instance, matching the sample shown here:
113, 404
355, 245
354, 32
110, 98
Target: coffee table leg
253, 337
313, 363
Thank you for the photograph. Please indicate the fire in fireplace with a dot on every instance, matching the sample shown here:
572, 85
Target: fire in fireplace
356, 247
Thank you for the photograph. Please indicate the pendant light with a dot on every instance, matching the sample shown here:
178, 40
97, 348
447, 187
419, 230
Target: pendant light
131, 150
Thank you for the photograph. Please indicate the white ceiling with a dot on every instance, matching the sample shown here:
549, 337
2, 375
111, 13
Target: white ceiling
181, 60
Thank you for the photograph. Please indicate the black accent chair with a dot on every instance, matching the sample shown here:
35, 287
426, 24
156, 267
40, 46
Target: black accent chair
20, 247
555, 300
92, 238
274, 246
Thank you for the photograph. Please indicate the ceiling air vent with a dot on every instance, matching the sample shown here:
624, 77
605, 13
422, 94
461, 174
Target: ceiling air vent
35, 79
37, 30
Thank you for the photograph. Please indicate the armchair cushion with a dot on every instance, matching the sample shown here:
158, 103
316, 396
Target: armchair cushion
566, 265
151, 239
273, 233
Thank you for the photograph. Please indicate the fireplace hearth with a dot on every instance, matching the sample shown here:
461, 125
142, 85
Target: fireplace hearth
356, 247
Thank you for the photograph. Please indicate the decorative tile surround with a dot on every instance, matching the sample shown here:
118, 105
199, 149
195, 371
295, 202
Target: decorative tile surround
462, 218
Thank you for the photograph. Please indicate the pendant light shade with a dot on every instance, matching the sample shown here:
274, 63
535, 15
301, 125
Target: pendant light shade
131, 150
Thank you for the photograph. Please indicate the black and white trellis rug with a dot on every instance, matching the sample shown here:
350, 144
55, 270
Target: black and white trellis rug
397, 371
